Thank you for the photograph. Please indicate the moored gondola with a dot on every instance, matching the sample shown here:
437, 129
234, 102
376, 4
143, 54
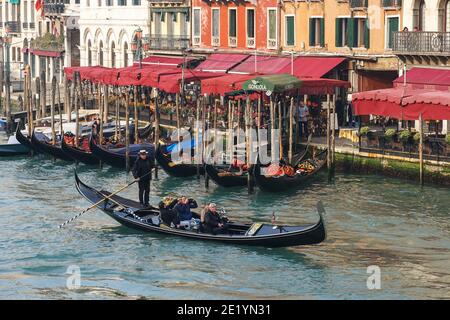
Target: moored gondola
304, 171
13, 148
116, 157
226, 178
163, 156
130, 214
42, 143
25, 141
78, 154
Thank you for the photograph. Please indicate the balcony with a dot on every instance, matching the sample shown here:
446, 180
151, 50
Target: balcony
251, 43
12, 27
421, 43
25, 25
215, 41
392, 3
232, 41
32, 25
53, 9
358, 4
165, 42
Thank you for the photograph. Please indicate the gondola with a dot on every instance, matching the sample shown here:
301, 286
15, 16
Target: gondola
78, 154
224, 177
163, 156
285, 182
129, 213
13, 148
42, 143
25, 141
116, 156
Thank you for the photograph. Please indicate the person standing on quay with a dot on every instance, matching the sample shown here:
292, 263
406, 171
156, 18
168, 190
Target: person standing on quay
142, 171
303, 112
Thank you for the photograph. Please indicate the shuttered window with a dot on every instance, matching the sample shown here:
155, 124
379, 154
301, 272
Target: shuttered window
196, 13
232, 23
290, 30
215, 22
250, 23
392, 26
316, 32
341, 32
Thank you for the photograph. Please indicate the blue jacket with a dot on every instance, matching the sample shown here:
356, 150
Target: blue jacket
184, 210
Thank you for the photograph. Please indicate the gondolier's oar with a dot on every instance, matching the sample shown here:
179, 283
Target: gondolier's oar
100, 201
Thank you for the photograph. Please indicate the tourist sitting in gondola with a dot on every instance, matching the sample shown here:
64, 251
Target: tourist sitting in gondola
183, 209
214, 223
166, 208
69, 138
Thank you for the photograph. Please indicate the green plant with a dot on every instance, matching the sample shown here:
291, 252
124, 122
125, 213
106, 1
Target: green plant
390, 134
364, 131
405, 136
416, 137
447, 138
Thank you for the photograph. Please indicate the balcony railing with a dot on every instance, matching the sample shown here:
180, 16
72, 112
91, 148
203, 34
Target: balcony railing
250, 42
53, 9
421, 42
165, 42
32, 25
25, 25
358, 3
232, 41
392, 3
166, 1
215, 41
12, 26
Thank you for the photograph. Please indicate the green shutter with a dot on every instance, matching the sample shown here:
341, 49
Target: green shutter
351, 36
290, 41
312, 32
338, 32
232, 30
393, 26
322, 32
366, 34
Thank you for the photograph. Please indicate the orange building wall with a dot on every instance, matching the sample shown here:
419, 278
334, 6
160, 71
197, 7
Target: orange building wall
260, 24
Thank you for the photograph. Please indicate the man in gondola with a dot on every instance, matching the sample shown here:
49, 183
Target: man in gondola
142, 170
214, 223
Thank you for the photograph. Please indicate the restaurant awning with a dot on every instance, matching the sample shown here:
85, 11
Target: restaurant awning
221, 62
425, 78
224, 84
318, 86
272, 83
170, 83
403, 103
314, 67
151, 76
262, 64
46, 53
163, 61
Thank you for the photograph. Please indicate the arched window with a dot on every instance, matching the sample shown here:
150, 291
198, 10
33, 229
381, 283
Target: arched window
125, 54
100, 53
89, 53
113, 55
422, 15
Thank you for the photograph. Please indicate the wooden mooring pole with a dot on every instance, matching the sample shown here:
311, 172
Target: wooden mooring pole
421, 169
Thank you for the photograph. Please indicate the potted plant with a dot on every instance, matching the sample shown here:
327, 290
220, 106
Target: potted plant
405, 138
387, 138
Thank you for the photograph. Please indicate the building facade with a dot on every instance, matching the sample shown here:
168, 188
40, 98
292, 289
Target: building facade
236, 26
107, 29
170, 26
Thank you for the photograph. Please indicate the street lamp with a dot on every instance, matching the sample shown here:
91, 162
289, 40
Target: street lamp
138, 46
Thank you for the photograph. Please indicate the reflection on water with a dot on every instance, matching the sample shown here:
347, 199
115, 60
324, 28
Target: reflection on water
397, 225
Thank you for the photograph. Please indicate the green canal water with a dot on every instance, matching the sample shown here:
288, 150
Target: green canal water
396, 225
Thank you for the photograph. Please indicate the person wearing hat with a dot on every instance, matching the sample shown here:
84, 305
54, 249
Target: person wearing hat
142, 170
213, 221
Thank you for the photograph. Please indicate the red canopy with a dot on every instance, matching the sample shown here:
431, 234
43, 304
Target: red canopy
221, 62
403, 103
263, 64
224, 84
425, 78
170, 83
315, 67
85, 72
318, 86
150, 76
163, 61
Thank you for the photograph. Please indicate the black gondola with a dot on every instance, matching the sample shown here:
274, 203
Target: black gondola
116, 159
175, 169
130, 214
43, 145
226, 178
25, 141
285, 182
78, 154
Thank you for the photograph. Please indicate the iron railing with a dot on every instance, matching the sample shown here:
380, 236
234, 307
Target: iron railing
32, 25
25, 25
392, 3
166, 1
52, 9
165, 42
358, 3
421, 42
12, 26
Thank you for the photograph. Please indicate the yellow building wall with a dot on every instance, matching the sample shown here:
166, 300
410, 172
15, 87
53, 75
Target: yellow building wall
330, 10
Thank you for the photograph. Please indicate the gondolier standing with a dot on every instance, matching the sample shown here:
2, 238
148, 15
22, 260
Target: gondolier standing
142, 170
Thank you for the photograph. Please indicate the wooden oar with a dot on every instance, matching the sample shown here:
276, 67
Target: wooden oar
100, 201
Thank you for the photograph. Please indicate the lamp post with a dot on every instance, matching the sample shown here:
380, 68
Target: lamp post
138, 46
6, 41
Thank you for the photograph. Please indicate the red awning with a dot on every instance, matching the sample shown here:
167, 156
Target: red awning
314, 67
224, 84
150, 77
46, 53
318, 86
163, 61
221, 62
131, 76
170, 83
403, 103
85, 72
263, 64
425, 78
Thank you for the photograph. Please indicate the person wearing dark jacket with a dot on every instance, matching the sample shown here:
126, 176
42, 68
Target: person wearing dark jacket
142, 170
183, 208
213, 222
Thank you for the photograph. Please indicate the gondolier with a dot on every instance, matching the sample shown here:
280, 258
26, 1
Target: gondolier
142, 170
